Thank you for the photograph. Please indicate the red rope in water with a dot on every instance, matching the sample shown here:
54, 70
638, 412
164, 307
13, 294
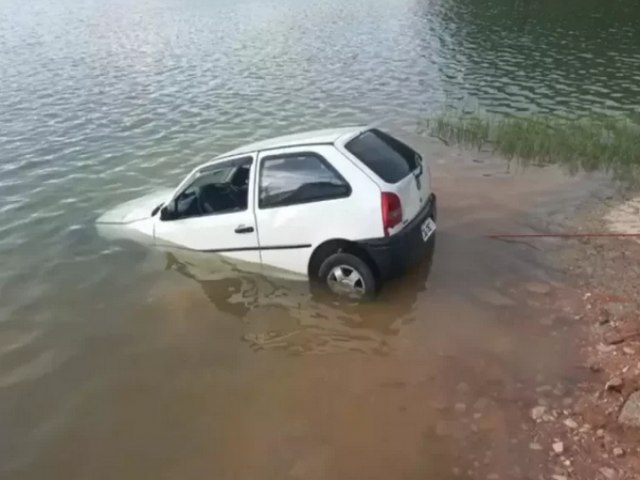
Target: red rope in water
562, 235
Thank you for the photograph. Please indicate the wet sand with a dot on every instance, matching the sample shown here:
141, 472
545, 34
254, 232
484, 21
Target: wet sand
256, 378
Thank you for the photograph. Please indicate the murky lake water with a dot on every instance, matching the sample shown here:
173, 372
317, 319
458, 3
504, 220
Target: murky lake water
115, 363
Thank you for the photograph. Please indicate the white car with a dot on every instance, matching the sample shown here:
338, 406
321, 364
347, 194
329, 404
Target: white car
350, 207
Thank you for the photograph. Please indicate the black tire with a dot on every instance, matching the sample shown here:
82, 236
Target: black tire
366, 281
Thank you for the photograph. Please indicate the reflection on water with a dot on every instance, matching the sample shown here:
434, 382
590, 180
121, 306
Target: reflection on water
572, 57
317, 322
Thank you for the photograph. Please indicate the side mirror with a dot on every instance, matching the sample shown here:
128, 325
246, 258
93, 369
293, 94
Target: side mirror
168, 212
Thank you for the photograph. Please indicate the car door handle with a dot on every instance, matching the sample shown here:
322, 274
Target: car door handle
243, 229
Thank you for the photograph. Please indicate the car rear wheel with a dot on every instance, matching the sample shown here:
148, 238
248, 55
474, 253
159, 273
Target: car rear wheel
348, 276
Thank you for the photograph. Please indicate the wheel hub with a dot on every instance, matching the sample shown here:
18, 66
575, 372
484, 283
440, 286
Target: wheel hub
346, 281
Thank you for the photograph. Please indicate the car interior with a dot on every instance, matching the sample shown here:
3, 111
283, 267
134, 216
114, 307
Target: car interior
215, 197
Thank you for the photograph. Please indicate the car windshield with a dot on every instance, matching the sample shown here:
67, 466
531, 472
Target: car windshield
211, 176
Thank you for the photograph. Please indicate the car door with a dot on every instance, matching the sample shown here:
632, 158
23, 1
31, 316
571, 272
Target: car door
302, 199
213, 212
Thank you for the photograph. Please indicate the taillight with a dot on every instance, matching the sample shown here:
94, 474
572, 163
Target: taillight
391, 211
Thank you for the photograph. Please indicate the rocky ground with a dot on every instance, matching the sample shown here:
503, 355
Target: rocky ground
595, 432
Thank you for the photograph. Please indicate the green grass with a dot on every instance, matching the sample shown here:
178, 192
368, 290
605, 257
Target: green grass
609, 143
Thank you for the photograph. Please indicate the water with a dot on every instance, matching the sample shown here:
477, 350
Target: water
112, 362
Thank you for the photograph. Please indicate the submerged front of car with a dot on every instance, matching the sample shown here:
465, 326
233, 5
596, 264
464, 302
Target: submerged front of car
133, 220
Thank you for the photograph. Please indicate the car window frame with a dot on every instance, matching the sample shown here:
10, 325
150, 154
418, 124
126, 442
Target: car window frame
206, 169
309, 153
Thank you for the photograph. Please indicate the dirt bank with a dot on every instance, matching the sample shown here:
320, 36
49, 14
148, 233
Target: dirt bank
600, 427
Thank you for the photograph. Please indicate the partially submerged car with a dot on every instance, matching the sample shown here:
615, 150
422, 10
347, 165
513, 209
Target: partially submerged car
349, 208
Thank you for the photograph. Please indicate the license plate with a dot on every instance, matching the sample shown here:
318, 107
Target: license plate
427, 229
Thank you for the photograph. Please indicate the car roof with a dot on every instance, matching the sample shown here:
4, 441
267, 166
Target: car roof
313, 137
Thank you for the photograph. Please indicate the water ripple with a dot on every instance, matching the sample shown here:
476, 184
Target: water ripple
37, 367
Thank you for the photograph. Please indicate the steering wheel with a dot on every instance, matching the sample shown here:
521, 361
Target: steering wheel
203, 206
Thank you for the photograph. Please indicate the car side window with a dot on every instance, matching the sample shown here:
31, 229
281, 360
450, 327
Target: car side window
299, 178
216, 190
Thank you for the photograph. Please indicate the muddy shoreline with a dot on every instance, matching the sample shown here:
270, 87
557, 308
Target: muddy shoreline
590, 429
598, 439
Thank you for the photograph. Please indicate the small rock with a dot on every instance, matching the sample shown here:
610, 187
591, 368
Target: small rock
604, 317
570, 423
594, 367
602, 348
585, 428
558, 447
460, 407
628, 350
559, 390
613, 337
630, 414
600, 433
559, 477
614, 384
535, 446
618, 452
538, 412
618, 309
611, 410
538, 287
493, 476
608, 473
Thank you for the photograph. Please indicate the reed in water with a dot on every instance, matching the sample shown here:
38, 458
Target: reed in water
602, 142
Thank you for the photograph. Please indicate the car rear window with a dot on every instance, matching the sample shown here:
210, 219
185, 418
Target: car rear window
387, 157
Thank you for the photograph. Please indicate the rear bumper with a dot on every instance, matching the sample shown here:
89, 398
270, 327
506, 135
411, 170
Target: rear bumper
394, 255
